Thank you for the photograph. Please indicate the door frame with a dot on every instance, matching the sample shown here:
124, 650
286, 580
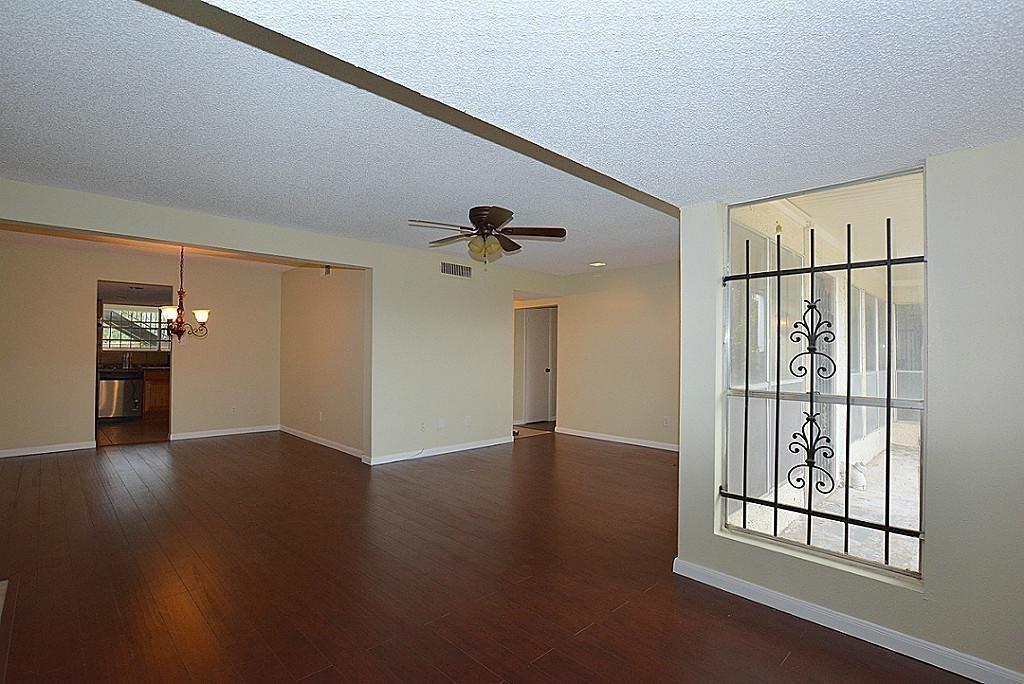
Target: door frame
552, 363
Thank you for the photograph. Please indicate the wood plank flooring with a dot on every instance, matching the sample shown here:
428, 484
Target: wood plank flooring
545, 425
265, 558
154, 428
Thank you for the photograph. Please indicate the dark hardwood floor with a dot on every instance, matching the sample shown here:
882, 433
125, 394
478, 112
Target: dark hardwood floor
546, 425
155, 428
267, 558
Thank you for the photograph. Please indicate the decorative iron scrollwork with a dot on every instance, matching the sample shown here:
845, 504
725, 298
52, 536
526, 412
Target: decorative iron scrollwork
812, 443
813, 330
813, 472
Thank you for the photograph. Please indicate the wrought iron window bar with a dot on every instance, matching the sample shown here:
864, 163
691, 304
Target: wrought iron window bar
813, 362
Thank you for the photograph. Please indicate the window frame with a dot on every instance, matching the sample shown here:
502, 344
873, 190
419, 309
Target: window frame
163, 343
727, 391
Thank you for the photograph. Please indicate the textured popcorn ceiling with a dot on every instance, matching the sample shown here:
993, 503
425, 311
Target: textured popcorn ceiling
114, 97
690, 101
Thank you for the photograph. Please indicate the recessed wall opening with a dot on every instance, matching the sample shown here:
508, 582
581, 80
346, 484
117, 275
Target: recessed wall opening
325, 352
825, 370
285, 347
535, 368
133, 363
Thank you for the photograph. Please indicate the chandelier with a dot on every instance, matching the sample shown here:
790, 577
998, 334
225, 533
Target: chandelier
175, 315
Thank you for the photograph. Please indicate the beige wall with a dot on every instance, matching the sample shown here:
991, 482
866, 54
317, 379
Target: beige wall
324, 342
441, 346
969, 599
618, 352
48, 355
441, 354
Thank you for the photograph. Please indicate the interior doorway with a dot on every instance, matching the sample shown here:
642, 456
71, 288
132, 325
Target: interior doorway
133, 363
535, 362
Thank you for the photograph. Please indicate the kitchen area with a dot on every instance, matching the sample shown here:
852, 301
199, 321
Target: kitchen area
133, 363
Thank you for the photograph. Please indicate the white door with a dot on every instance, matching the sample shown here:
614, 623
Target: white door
538, 361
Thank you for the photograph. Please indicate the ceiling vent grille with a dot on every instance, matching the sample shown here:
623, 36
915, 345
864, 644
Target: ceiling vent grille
457, 270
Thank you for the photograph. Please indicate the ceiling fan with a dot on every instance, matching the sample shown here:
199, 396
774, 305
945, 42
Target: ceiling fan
489, 235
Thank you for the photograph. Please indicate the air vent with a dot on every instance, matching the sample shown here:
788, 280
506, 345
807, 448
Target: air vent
457, 270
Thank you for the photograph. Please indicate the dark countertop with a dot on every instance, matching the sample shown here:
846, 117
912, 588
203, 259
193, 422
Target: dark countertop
135, 372
119, 373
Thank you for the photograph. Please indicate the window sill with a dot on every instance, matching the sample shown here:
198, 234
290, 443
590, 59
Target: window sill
824, 558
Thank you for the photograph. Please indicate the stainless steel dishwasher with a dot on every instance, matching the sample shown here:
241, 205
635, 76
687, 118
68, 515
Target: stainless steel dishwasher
119, 394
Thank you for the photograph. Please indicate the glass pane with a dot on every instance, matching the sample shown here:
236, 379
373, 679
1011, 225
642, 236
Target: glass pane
792, 310
826, 295
133, 328
905, 553
762, 477
857, 340
908, 329
790, 337
827, 534
843, 480
738, 236
858, 424
759, 335
868, 356
905, 470
867, 544
864, 206
871, 335
758, 449
793, 526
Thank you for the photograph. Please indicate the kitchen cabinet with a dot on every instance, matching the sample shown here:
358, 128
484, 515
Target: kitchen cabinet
157, 391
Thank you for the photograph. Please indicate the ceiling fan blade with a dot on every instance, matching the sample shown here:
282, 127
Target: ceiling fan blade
506, 244
453, 238
535, 231
499, 216
420, 223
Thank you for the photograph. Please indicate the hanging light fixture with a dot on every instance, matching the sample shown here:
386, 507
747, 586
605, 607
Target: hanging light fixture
175, 315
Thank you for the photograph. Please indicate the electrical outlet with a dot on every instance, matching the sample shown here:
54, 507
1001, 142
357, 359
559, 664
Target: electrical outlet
234, 410
423, 427
321, 416
468, 420
666, 421
440, 423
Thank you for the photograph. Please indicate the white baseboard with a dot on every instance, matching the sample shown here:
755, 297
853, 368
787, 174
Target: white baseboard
344, 448
176, 436
47, 449
919, 649
437, 451
666, 446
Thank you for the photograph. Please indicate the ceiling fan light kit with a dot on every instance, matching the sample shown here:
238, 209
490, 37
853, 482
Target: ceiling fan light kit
488, 237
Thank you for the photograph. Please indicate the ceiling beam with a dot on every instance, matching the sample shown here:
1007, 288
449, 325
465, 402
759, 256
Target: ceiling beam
262, 38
